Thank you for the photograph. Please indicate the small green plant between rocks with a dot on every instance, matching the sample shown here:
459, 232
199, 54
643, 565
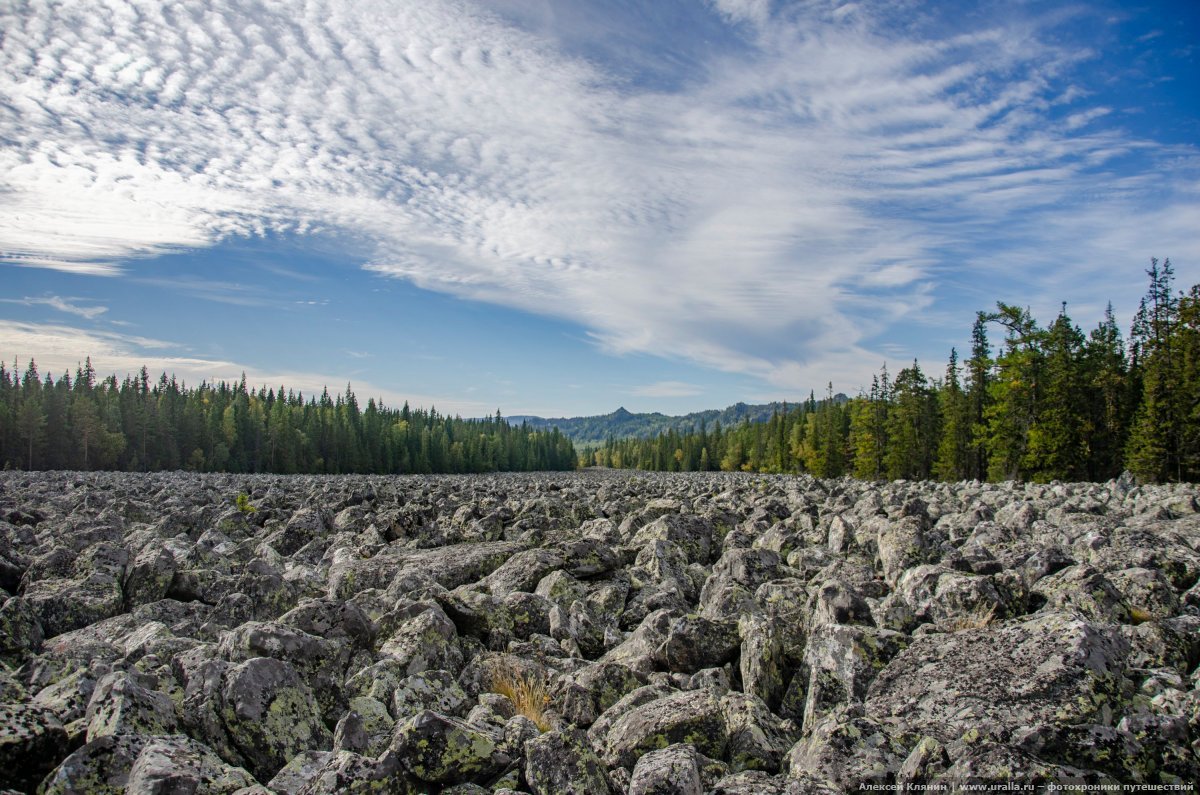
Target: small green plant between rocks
242, 503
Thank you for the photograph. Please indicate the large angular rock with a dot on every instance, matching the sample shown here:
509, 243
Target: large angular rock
32, 742
1054, 668
675, 770
692, 534
270, 714
842, 660
847, 750
425, 640
689, 717
321, 663
62, 605
758, 739
124, 704
20, 631
132, 763
562, 763
444, 750
694, 642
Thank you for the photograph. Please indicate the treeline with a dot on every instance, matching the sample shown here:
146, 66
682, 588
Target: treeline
137, 425
1049, 403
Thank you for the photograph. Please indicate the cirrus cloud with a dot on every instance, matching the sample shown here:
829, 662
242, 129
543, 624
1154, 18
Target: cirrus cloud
775, 216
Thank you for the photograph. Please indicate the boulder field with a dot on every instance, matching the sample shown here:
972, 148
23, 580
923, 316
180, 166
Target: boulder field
593, 632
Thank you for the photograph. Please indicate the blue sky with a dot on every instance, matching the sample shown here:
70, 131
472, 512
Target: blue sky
558, 207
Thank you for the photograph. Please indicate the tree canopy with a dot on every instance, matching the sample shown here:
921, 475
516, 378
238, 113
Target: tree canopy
1049, 404
139, 424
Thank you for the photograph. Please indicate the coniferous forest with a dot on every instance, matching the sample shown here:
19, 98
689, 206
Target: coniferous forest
1039, 403
137, 425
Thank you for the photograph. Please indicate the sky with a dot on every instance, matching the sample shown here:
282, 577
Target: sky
559, 207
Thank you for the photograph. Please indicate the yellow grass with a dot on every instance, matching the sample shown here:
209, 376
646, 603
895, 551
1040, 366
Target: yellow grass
980, 616
527, 694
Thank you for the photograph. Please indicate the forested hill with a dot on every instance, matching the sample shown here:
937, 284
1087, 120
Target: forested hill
139, 424
623, 424
1045, 403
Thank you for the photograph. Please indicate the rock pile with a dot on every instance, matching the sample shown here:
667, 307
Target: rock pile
599, 632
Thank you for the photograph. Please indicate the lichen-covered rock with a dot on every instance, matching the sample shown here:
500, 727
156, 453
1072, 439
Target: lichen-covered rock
836, 601
129, 704
989, 764
320, 663
20, 631
1147, 593
902, 544
134, 763
299, 770
758, 739
32, 742
444, 750
764, 661
587, 693
842, 660
1105, 748
271, 714
927, 760
350, 773
847, 750
1084, 590
435, 690
1052, 668
675, 770
639, 651
332, 620
1052, 630
694, 642
366, 728
530, 614
180, 764
149, 575
426, 639
692, 534
62, 605
562, 763
689, 717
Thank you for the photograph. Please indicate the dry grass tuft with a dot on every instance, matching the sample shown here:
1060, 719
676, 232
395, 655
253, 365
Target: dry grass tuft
527, 694
981, 616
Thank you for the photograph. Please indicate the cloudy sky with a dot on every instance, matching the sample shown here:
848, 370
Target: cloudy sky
558, 207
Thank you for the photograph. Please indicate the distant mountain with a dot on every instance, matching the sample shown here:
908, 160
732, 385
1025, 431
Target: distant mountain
622, 423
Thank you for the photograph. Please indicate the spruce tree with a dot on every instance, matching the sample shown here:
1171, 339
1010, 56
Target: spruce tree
954, 453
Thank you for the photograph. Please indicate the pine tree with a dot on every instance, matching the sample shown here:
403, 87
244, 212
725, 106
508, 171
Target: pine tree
978, 394
1107, 375
1153, 451
1013, 393
911, 426
1055, 449
954, 453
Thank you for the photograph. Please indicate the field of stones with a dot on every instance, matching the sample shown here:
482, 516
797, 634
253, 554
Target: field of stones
593, 632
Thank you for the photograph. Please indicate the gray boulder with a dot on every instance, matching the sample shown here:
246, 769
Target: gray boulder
689, 717
443, 750
675, 770
1053, 668
270, 714
32, 742
562, 763
847, 750
142, 765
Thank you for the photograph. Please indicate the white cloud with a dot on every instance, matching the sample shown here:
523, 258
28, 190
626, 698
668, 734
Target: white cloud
61, 304
61, 349
770, 218
667, 389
